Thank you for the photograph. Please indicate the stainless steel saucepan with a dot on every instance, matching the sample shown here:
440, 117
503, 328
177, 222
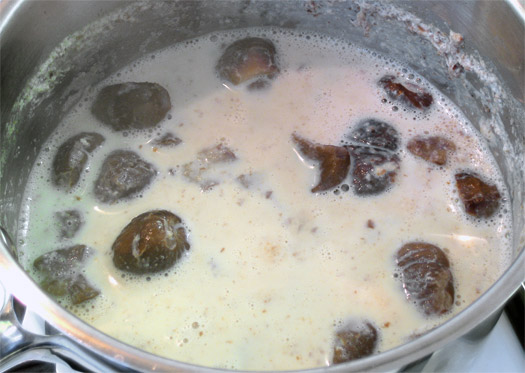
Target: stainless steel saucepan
51, 51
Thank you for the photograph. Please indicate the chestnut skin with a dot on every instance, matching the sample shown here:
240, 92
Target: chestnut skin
123, 174
355, 340
426, 277
71, 158
151, 242
480, 199
197, 171
167, 140
61, 272
433, 149
334, 162
131, 106
219, 153
408, 93
246, 59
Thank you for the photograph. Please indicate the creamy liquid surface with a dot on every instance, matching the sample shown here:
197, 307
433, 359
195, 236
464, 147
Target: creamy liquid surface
273, 269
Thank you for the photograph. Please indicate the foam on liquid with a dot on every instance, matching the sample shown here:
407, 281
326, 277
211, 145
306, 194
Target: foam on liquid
270, 276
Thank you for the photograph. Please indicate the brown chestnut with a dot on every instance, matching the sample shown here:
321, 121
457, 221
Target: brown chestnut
123, 174
246, 59
131, 106
432, 149
71, 158
479, 198
426, 277
61, 273
151, 242
355, 340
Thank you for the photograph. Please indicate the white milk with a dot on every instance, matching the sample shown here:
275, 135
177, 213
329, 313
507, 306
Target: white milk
269, 277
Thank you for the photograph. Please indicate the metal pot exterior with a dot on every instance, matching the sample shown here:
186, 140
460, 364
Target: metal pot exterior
52, 50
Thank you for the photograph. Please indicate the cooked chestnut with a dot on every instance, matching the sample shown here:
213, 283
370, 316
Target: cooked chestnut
69, 222
334, 162
246, 59
354, 340
62, 260
479, 198
151, 242
80, 290
426, 277
433, 149
372, 145
373, 170
71, 158
130, 106
122, 175
168, 139
61, 275
376, 134
408, 93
